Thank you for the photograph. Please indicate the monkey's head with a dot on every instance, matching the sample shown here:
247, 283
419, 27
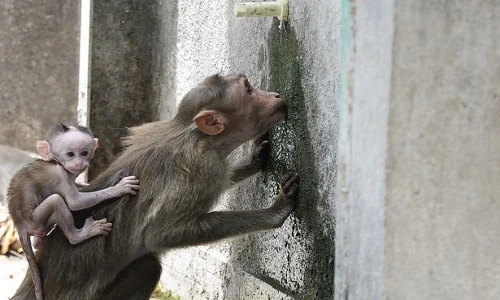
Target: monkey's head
230, 107
72, 147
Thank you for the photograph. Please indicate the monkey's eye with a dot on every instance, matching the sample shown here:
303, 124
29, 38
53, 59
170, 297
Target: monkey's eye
84, 153
70, 154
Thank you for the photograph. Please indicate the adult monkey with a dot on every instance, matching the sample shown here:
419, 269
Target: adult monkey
183, 170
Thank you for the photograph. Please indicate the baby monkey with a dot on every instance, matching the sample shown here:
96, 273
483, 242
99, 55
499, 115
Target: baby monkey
43, 193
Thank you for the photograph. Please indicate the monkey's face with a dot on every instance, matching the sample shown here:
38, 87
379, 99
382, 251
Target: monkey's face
257, 110
73, 150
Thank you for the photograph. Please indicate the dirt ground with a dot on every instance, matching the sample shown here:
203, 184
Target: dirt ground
12, 270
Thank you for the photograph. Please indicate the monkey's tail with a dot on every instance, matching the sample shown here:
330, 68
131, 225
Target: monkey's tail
24, 237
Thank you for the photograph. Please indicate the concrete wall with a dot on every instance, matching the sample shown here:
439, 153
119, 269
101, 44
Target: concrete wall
419, 203
38, 68
122, 67
299, 61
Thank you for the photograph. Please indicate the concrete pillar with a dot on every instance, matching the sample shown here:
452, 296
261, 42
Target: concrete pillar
123, 67
418, 199
38, 68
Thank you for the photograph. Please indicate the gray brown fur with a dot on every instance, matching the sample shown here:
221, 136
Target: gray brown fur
183, 172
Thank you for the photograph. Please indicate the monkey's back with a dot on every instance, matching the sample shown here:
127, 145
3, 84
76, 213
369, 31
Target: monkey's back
29, 187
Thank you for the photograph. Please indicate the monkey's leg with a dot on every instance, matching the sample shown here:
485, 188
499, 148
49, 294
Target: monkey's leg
53, 210
218, 225
137, 281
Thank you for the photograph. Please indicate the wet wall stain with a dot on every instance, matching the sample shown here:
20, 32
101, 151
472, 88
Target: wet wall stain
292, 150
309, 246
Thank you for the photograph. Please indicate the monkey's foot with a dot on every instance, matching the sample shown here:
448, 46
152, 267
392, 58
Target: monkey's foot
92, 228
101, 226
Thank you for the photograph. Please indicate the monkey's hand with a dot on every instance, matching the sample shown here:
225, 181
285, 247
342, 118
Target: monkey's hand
249, 166
261, 152
128, 185
290, 188
287, 199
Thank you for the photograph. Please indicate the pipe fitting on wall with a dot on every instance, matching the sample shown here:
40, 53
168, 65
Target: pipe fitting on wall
262, 9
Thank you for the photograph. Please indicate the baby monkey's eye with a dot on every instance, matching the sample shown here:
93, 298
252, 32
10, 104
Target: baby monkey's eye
70, 154
84, 153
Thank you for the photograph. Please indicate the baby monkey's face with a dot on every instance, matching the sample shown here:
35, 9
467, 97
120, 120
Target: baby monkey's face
73, 150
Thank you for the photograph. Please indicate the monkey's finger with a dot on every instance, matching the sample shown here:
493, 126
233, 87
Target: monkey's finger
127, 186
291, 180
105, 230
263, 152
288, 176
265, 146
262, 138
130, 181
293, 190
133, 188
103, 220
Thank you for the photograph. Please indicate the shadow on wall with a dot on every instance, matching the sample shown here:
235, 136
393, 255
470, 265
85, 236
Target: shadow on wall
299, 259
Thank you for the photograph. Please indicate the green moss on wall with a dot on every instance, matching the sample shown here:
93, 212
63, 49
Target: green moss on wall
296, 260
293, 151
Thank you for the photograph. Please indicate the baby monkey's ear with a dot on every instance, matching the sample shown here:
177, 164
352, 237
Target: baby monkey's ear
43, 148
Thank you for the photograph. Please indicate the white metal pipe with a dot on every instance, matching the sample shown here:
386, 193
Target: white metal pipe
262, 9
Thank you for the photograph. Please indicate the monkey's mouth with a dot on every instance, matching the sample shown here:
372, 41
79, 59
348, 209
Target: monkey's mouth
76, 170
281, 112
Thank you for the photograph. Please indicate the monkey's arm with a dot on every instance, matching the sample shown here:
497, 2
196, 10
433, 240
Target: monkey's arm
217, 225
247, 167
77, 200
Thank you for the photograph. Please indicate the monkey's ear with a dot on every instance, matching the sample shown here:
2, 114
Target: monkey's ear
210, 122
96, 145
43, 148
